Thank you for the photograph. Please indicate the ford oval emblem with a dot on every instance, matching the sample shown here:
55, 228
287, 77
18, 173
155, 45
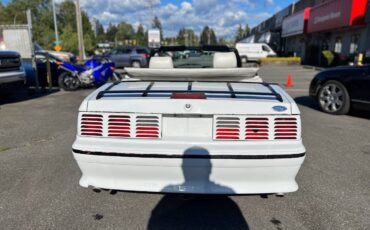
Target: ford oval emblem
279, 108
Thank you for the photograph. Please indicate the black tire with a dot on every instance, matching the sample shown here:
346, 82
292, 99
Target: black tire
333, 98
68, 82
136, 64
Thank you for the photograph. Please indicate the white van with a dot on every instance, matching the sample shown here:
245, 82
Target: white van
254, 51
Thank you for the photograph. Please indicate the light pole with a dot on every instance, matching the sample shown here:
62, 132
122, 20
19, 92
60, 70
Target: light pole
55, 24
81, 47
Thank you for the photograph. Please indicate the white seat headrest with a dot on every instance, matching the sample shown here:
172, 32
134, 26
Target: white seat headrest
161, 63
224, 60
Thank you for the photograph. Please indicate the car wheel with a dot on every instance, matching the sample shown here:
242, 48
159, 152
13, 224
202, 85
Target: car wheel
68, 82
333, 98
136, 64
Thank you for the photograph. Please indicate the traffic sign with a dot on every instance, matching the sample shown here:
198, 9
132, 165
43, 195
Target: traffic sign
57, 42
57, 48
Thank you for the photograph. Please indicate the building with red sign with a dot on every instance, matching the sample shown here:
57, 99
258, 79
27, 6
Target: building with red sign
338, 26
341, 26
293, 31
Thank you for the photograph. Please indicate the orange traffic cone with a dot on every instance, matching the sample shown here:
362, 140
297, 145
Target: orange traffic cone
289, 81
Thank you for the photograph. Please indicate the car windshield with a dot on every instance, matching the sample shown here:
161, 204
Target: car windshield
190, 57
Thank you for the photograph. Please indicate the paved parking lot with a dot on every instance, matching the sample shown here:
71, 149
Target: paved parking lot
39, 178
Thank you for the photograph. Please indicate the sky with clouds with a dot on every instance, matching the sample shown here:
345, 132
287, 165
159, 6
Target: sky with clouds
222, 16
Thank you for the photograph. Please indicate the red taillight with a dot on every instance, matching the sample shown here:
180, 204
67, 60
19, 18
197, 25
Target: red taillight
147, 126
147, 55
119, 126
227, 128
256, 128
91, 125
188, 96
286, 128
251, 128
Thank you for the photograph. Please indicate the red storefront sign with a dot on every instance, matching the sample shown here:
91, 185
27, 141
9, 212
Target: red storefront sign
336, 14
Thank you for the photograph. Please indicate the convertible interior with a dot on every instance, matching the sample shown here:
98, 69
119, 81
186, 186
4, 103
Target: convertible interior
180, 63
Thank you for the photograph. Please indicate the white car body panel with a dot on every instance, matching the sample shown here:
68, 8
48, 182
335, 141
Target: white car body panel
229, 74
188, 153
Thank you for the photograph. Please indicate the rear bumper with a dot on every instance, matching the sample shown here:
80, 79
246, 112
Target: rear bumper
198, 167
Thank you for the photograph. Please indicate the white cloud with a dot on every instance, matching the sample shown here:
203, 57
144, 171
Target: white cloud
222, 16
186, 6
269, 2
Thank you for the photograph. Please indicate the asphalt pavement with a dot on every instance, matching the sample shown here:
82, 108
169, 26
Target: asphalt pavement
39, 177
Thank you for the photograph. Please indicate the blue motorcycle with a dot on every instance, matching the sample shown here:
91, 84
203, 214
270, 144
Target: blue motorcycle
93, 72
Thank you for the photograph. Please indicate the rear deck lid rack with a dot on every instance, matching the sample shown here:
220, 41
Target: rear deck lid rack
149, 91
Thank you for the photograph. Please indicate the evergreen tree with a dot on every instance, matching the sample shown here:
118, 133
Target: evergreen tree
187, 37
247, 30
111, 32
239, 33
125, 32
208, 36
140, 35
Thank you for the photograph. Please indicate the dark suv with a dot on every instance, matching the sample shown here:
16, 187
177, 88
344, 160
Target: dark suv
130, 56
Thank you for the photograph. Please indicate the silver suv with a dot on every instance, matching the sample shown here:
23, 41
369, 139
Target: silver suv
130, 56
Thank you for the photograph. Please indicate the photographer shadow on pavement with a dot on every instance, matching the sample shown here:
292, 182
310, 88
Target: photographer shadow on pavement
197, 211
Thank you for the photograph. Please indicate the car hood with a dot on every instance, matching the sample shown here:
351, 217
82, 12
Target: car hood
9, 54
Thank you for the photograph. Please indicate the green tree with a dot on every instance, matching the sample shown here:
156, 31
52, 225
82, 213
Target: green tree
247, 30
69, 39
140, 35
239, 33
100, 34
222, 41
111, 32
45, 35
15, 13
125, 31
208, 36
67, 21
2, 13
187, 37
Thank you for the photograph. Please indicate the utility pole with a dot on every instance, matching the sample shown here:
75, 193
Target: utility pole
186, 38
151, 4
81, 47
55, 24
34, 66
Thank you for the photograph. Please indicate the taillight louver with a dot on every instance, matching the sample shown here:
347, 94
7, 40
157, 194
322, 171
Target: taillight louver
147, 126
286, 128
227, 128
119, 126
256, 128
91, 125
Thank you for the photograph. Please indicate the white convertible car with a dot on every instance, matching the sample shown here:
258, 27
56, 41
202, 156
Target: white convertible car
189, 136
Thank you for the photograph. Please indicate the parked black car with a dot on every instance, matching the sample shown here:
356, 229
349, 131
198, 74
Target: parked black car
129, 56
339, 89
42, 69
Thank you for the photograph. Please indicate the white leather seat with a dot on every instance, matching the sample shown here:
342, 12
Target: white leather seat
224, 60
161, 63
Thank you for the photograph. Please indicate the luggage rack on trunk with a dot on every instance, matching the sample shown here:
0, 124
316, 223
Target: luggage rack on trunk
231, 92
